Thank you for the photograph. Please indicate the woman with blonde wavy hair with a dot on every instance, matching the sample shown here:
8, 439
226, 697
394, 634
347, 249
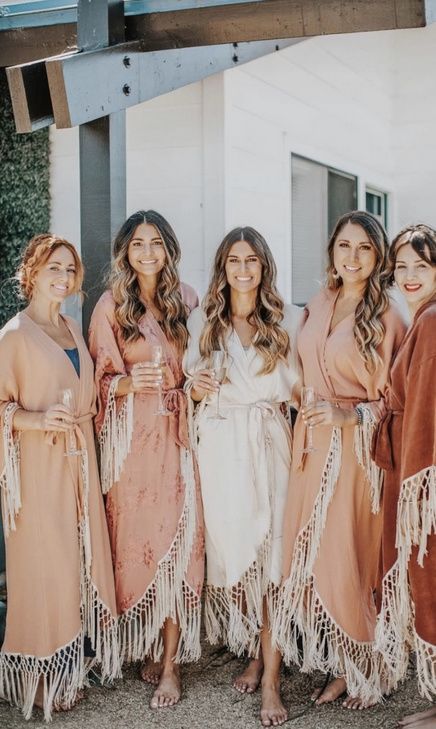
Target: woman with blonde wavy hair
327, 614
241, 366
137, 338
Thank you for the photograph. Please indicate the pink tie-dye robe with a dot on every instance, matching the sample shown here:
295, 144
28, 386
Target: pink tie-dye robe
153, 501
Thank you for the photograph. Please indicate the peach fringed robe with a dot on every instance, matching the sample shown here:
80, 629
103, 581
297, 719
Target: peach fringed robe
244, 464
153, 501
58, 561
405, 445
332, 530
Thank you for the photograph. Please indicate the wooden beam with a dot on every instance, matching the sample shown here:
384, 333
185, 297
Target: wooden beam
24, 45
272, 19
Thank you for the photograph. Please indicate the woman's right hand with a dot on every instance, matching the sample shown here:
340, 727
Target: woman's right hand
57, 418
203, 382
146, 377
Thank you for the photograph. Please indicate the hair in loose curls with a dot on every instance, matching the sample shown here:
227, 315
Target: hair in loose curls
270, 340
36, 255
123, 281
368, 328
421, 237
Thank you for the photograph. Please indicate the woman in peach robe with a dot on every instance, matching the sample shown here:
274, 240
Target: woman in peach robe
332, 526
59, 572
153, 505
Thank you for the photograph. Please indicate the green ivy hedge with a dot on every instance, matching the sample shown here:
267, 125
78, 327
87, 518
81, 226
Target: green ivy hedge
24, 196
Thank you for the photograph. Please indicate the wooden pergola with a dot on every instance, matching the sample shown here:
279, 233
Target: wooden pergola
84, 63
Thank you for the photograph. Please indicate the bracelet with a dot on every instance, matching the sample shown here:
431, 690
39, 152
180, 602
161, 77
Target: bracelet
359, 412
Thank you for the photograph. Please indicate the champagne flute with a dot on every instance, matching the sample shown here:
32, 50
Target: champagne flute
308, 399
67, 399
158, 359
218, 361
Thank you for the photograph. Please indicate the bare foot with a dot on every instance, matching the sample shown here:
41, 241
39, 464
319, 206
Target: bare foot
169, 689
357, 703
248, 681
421, 716
332, 692
150, 672
272, 712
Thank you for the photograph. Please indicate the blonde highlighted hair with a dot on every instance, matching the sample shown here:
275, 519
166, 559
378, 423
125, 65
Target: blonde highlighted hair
36, 255
270, 340
123, 281
369, 330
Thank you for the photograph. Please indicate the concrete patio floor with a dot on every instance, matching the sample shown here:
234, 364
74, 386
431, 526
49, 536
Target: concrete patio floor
210, 702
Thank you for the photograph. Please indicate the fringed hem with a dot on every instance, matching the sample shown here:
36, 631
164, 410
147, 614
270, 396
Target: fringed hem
425, 667
169, 595
393, 629
102, 628
416, 516
315, 641
234, 615
363, 435
308, 539
115, 436
10, 482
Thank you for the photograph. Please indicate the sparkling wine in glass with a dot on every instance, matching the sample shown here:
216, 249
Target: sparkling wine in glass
218, 364
158, 359
67, 399
309, 398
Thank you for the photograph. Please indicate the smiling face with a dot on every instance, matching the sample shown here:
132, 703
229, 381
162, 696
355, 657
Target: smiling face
354, 255
56, 279
146, 252
243, 268
415, 278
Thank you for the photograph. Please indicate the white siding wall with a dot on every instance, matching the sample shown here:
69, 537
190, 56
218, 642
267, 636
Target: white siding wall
217, 154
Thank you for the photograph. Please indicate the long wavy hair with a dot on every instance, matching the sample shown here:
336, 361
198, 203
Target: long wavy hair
124, 284
270, 340
369, 330
421, 237
35, 256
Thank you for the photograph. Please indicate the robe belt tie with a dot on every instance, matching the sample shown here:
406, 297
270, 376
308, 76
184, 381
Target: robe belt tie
341, 401
175, 401
381, 448
267, 409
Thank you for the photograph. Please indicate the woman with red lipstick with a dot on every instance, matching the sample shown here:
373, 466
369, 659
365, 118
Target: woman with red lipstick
332, 527
406, 447
61, 596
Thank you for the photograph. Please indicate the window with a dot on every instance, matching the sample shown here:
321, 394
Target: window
320, 195
377, 204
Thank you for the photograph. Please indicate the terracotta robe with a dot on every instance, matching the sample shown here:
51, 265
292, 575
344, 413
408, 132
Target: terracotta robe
58, 561
405, 445
331, 533
153, 502
244, 464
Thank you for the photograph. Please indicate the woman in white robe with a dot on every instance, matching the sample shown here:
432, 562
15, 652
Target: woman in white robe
244, 459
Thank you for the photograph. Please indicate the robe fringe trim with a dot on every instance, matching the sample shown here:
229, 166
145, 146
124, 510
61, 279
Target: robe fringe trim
64, 672
314, 641
10, 481
363, 435
115, 436
395, 633
169, 595
234, 615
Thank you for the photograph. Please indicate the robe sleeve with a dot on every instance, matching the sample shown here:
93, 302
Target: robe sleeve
374, 407
114, 419
10, 482
417, 501
294, 317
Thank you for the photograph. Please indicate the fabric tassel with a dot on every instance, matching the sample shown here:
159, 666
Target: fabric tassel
416, 516
115, 437
425, 667
10, 481
168, 595
363, 435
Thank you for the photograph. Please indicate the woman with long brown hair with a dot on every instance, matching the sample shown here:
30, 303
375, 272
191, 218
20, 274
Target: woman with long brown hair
241, 364
405, 446
61, 597
137, 338
326, 618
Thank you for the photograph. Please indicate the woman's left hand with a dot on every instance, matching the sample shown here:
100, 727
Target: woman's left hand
325, 413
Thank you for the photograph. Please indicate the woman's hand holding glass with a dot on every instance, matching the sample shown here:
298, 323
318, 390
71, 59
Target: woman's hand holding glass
146, 377
204, 382
58, 418
327, 413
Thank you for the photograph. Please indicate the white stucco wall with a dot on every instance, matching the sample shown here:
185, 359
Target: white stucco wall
217, 153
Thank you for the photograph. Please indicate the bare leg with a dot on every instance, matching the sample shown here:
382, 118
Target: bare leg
272, 712
169, 688
151, 671
248, 681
